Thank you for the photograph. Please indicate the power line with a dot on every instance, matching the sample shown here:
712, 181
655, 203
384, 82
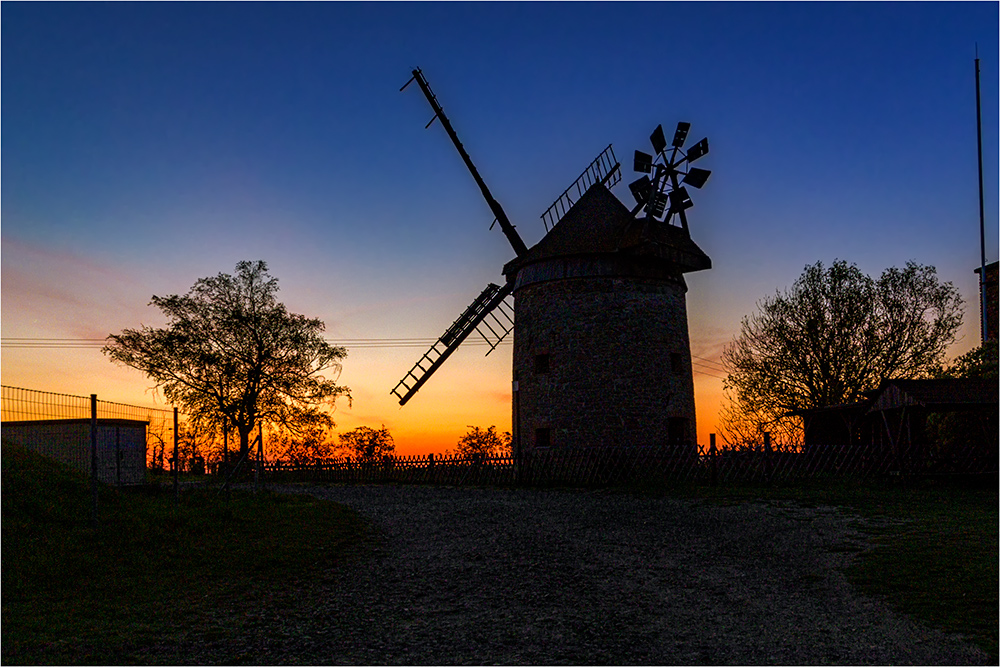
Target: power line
720, 366
702, 372
703, 366
97, 343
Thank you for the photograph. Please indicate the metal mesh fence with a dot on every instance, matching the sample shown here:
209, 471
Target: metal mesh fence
18, 404
131, 438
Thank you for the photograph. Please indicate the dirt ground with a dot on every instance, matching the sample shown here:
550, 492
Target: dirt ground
484, 576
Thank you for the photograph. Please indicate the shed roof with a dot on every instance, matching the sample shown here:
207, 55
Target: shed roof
829, 409
941, 394
598, 223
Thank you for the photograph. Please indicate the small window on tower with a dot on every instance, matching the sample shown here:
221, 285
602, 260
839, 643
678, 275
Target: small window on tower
542, 363
543, 437
677, 430
676, 362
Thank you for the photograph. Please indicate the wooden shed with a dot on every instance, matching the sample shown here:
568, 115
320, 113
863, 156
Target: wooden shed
904, 406
833, 426
121, 445
916, 426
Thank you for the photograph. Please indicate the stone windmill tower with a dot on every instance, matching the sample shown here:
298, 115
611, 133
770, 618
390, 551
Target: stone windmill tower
601, 349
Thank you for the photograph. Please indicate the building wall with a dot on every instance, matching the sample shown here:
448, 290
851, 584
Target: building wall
601, 360
989, 286
121, 445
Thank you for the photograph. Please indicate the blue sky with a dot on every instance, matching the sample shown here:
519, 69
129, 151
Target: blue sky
147, 145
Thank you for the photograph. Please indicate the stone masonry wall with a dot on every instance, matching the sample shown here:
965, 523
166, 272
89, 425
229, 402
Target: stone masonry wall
618, 364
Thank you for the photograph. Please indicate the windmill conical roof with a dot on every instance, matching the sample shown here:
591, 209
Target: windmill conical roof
598, 223
594, 224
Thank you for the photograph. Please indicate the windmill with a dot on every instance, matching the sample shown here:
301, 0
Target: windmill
601, 352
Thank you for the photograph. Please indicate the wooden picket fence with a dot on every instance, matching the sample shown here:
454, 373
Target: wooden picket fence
614, 466
571, 466
429, 469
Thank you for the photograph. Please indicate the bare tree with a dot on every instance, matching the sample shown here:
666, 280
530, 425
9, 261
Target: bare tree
234, 355
834, 335
155, 460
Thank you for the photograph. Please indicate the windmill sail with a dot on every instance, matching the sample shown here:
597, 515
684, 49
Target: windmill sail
505, 224
489, 303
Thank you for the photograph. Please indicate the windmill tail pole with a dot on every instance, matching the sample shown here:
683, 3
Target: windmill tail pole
982, 219
501, 216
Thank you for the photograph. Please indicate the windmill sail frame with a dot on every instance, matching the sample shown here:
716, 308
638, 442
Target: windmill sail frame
604, 170
489, 300
501, 216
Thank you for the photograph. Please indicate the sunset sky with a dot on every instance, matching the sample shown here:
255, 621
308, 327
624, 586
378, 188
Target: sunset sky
148, 145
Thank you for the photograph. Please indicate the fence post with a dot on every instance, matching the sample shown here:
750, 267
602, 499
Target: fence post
767, 457
177, 487
711, 454
93, 459
256, 469
225, 454
260, 456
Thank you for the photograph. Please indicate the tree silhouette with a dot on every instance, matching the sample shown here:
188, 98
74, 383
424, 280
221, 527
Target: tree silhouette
477, 441
233, 354
307, 447
367, 444
955, 431
834, 335
979, 363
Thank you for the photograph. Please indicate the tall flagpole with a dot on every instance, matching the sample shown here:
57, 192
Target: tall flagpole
982, 218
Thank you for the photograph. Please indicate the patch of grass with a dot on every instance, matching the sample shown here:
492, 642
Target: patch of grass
936, 546
941, 565
151, 572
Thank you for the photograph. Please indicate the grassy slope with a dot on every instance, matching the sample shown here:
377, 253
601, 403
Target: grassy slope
152, 572
936, 552
941, 564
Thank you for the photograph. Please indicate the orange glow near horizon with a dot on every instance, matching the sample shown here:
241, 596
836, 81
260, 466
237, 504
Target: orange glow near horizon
88, 301
438, 426
432, 422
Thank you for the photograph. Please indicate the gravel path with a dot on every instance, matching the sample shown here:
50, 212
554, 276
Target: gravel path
491, 576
